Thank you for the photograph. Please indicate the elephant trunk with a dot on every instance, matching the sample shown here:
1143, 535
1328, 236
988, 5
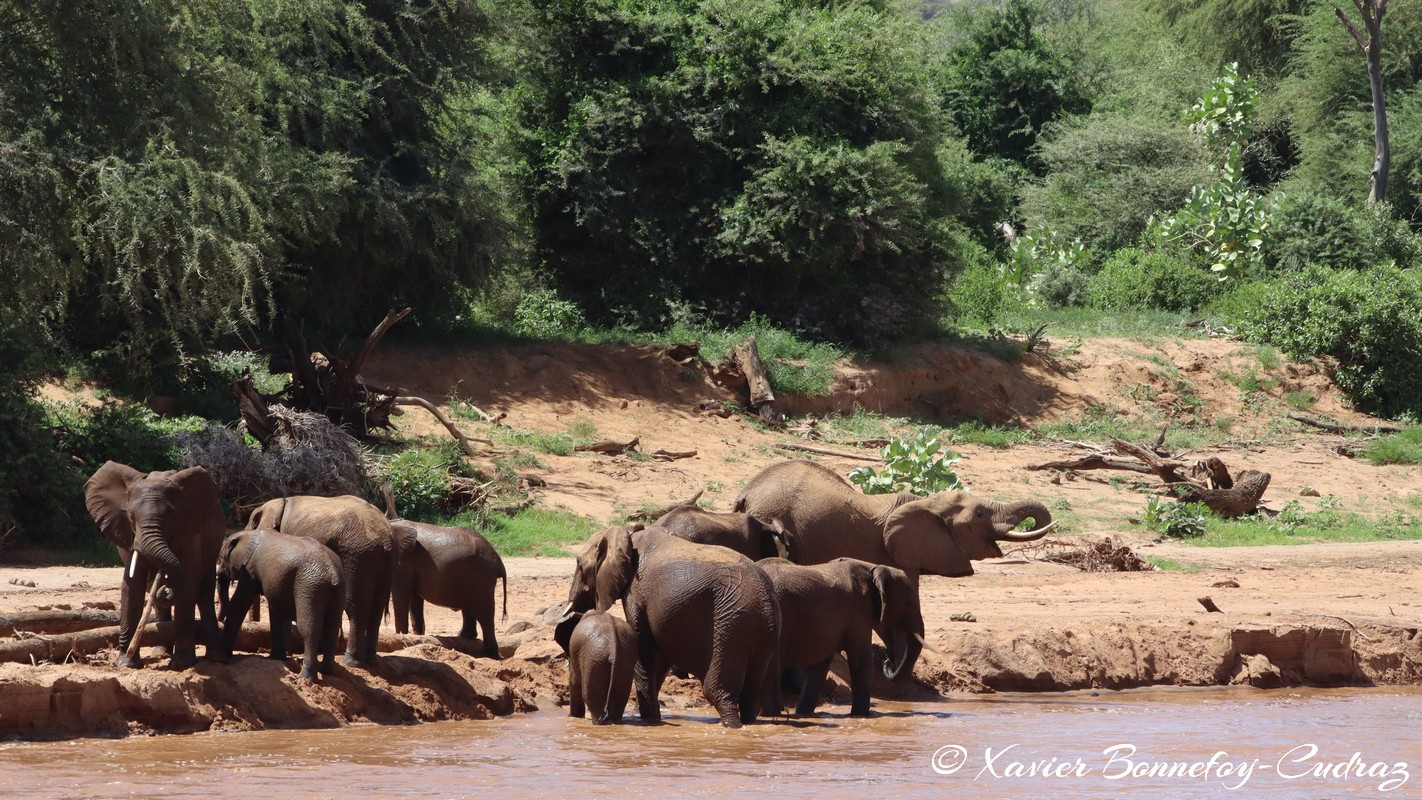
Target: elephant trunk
152, 544
1007, 516
902, 651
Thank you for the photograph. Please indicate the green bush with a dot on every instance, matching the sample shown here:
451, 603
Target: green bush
1370, 322
420, 479
980, 294
1174, 519
1399, 448
911, 465
542, 314
1133, 278
1312, 228
124, 432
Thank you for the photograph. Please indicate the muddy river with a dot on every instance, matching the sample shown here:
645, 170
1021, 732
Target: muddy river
1175, 743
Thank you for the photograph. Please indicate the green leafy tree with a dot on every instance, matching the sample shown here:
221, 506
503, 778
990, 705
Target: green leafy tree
1005, 82
911, 465
761, 155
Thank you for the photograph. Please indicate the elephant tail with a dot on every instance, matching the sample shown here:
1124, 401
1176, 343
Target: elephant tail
505, 617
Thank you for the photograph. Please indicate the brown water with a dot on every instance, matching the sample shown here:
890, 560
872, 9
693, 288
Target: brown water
1001, 739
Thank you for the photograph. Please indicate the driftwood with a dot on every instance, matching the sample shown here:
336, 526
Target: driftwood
610, 447
655, 514
1204, 481
825, 451
56, 621
1327, 426
662, 454
1239, 500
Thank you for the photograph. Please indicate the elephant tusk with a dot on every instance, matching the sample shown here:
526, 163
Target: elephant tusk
1028, 536
133, 564
926, 646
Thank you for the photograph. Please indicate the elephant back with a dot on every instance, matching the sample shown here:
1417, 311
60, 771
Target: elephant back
822, 513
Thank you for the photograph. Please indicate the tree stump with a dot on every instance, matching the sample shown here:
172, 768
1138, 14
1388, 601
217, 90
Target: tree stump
1241, 499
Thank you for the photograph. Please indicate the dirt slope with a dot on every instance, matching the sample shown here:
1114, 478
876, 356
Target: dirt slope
1323, 613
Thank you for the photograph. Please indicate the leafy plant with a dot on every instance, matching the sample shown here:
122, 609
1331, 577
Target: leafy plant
913, 465
420, 479
542, 314
1175, 519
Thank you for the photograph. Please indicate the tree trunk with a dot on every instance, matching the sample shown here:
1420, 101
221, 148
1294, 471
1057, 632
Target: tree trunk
1372, 12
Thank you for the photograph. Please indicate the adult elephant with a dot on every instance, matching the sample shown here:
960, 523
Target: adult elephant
172, 522
827, 518
451, 567
369, 550
741, 532
833, 608
708, 610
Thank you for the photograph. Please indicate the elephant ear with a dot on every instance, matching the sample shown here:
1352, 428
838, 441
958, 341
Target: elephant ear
106, 497
616, 566
919, 538
563, 631
883, 582
405, 537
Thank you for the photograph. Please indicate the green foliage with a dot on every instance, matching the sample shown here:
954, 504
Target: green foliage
981, 294
758, 155
543, 315
123, 432
1256, 33
1108, 172
1174, 519
1370, 322
1316, 229
1046, 268
913, 466
543, 532
1398, 448
795, 364
419, 477
1005, 81
1225, 219
1132, 279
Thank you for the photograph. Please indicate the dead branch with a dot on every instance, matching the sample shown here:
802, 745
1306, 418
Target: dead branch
672, 455
1165, 469
1095, 462
825, 451
411, 400
1330, 427
1209, 605
1102, 556
610, 447
1240, 500
658, 513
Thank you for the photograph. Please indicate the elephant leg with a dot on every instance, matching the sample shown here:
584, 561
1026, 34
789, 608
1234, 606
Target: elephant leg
372, 621
131, 598
576, 706
760, 677
281, 629
213, 641
861, 680
308, 622
722, 688
184, 629
417, 613
650, 672
242, 598
621, 683
599, 678
810, 691
330, 632
484, 615
400, 606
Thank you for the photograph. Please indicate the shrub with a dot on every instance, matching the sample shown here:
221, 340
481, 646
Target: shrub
1174, 519
912, 465
1399, 448
980, 293
1311, 228
1369, 322
420, 479
1132, 278
543, 315
123, 432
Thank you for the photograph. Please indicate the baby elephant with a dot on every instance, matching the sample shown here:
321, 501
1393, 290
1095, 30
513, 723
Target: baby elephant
451, 567
602, 652
302, 581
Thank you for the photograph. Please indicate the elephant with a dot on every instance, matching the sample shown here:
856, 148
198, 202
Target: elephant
826, 609
706, 609
369, 549
740, 532
602, 655
302, 580
827, 518
174, 521
451, 567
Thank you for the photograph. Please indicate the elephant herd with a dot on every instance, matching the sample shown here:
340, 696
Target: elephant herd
805, 568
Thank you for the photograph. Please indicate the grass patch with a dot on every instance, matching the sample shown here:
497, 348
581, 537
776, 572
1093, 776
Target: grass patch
978, 432
861, 424
1293, 526
1100, 423
1087, 323
1300, 400
532, 532
1170, 565
1399, 448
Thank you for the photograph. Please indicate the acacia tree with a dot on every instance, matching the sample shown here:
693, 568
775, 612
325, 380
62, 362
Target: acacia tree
1372, 12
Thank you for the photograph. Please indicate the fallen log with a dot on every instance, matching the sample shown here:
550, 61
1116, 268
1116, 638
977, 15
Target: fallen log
411, 400
610, 446
825, 451
1240, 500
1096, 462
1166, 469
54, 621
1330, 427
661, 454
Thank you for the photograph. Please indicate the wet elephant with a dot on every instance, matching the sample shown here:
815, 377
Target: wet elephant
708, 610
303, 582
451, 567
369, 550
833, 608
602, 657
738, 531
